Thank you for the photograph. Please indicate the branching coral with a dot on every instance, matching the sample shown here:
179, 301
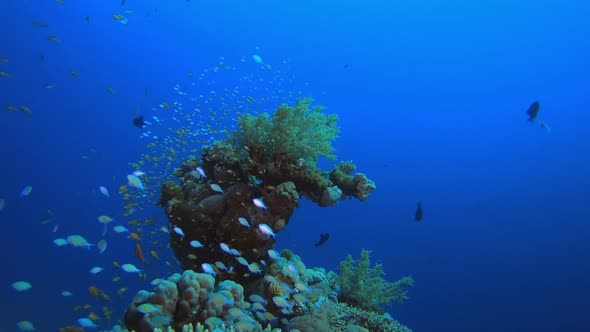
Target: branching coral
364, 287
296, 132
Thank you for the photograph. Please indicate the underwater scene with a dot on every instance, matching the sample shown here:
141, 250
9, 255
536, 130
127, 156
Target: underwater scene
347, 166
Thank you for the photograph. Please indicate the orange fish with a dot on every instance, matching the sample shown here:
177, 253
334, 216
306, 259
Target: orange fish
139, 253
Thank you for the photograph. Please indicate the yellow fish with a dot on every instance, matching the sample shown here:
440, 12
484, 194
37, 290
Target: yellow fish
54, 39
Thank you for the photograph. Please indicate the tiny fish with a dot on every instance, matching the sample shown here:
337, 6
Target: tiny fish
225, 248
216, 188
178, 231
138, 173
26, 191
130, 268
259, 203
273, 254
66, 293
102, 246
139, 253
120, 229
265, 229
135, 182
243, 222
60, 242
196, 244
25, 326
533, 110
78, 241
22, 286
419, 212
208, 268
103, 190
257, 58
96, 269
148, 309
201, 172
86, 322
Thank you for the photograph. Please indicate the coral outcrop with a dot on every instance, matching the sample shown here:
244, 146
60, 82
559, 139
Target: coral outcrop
224, 214
243, 190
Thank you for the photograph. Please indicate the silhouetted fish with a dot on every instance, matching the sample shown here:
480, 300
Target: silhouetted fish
323, 238
419, 212
138, 121
533, 111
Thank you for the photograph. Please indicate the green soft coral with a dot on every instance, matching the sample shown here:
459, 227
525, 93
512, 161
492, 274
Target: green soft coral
364, 287
302, 131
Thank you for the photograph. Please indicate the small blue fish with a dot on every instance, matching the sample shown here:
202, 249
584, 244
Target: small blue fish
225, 248
26, 191
265, 229
86, 322
135, 182
208, 268
196, 244
96, 270
259, 203
216, 188
243, 222
178, 231
201, 172
257, 58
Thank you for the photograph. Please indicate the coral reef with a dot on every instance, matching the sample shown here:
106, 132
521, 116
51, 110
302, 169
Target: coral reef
224, 214
364, 287
290, 297
243, 190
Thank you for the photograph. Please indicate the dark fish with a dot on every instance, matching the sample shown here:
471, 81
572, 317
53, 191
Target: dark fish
323, 238
138, 121
122, 3
40, 24
533, 111
87, 19
419, 212
346, 66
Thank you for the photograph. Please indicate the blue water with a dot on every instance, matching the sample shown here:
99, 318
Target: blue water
431, 97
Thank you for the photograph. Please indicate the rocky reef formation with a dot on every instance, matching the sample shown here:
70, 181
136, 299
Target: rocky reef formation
224, 214
244, 189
